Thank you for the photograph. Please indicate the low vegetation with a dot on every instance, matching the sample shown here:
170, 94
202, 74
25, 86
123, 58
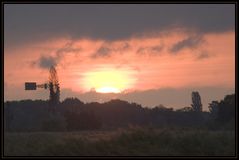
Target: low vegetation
118, 128
134, 141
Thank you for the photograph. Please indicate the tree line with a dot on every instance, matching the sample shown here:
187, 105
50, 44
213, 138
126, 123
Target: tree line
74, 115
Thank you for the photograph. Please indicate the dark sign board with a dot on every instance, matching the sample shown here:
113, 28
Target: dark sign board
30, 85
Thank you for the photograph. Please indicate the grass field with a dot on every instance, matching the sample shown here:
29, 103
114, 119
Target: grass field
122, 142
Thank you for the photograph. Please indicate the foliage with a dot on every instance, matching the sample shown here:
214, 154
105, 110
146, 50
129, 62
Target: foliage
81, 121
160, 131
185, 109
226, 108
54, 122
73, 115
223, 112
131, 142
54, 88
196, 100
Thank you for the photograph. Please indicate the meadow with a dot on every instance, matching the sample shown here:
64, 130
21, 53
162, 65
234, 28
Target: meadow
133, 141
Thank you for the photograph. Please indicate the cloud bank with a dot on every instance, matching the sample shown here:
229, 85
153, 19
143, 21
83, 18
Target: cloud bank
36, 22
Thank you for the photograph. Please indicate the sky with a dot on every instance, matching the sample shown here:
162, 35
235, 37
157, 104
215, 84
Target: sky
145, 53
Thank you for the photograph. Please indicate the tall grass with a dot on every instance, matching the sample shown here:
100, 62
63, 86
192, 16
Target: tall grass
130, 142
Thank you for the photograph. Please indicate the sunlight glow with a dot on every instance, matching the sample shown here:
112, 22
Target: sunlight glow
108, 80
108, 90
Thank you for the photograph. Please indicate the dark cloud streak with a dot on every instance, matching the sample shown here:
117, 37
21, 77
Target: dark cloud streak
46, 62
150, 50
102, 52
25, 23
203, 55
191, 42
107, 49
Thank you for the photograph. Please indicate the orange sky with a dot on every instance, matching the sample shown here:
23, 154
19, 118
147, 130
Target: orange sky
140, 63
150, 54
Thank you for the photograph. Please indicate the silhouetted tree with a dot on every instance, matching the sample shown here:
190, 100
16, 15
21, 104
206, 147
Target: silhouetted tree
73, 114
8, 116
185, 109
196, 100
54, 122
213, 108
162, 108
72, 101
226, 110
223, 113
54, 88
82, 120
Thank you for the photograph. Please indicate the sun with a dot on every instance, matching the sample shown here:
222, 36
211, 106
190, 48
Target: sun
108, 90
108, 80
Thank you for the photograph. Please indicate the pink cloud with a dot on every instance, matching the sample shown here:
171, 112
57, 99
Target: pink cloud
150, 70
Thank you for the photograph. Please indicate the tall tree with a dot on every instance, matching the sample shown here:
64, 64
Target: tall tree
54, 88
227, 108
196, 100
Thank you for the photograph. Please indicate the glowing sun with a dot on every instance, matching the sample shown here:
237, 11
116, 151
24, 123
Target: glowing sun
108, 90
108, 80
